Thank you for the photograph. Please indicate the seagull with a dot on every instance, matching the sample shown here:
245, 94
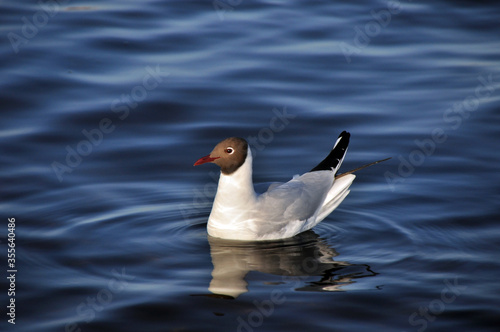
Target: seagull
285, 209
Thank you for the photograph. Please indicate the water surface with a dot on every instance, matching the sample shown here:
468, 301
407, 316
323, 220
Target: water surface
106, 105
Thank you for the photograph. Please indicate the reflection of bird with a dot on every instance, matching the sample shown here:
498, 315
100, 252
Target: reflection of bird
285, 209
295, 259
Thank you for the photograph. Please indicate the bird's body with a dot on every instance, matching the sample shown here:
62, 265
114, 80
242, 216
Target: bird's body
285, 209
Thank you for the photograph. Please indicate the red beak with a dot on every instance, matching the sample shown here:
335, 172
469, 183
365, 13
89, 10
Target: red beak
203, 160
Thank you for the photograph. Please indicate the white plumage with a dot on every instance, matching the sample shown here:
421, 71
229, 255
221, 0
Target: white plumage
285, 209
281, 212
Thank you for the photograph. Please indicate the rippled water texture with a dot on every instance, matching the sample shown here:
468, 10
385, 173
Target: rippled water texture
106, 105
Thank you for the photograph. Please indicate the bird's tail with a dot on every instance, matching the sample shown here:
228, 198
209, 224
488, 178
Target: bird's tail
340, 190
336, 156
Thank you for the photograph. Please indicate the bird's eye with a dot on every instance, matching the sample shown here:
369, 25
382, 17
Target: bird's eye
229, 150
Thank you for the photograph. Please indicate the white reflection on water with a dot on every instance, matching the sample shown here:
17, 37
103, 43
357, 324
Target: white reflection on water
296, 259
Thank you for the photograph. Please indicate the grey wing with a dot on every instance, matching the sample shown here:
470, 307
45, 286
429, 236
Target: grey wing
297, 199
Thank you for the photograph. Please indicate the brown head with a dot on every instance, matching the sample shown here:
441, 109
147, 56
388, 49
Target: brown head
229, 155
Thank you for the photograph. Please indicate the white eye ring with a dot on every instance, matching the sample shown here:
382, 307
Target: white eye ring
229, 150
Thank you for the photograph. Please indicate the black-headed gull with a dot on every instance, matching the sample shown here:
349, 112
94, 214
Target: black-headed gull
284, 210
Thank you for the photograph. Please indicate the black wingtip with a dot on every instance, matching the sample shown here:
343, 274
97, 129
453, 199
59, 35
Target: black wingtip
337, 154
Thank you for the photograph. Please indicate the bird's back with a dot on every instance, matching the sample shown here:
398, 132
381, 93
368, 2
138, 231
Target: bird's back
298, 205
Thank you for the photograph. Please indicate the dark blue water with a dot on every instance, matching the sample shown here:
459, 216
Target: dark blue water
105, 106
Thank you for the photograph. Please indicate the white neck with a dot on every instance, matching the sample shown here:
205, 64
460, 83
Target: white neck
235, 196
237, 187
